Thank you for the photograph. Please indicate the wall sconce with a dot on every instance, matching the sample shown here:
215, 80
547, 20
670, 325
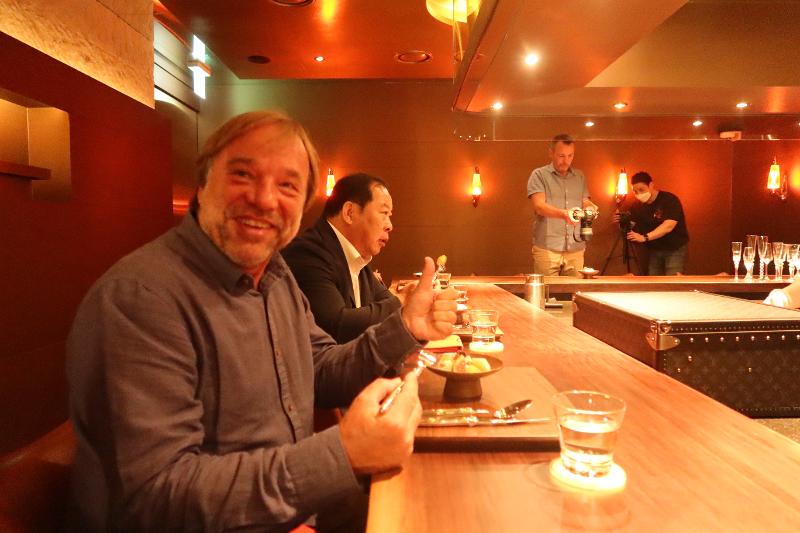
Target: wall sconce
777, 182
622, 186
476, 187
329, 183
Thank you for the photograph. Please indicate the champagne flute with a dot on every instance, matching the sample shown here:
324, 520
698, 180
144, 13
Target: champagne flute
794, 259
767, 260
748, 256
763, 243
736, 251
777, 255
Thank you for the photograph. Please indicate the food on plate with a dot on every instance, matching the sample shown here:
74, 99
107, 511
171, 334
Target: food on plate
459, 362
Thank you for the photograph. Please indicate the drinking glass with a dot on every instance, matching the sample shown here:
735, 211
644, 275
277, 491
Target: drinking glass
763, 244
777, 256
736, 251
484, 325
767, 259
588, 426
749, 257
751, 241
792, 257
444, 279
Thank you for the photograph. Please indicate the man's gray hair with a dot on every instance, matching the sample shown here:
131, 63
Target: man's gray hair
565, 138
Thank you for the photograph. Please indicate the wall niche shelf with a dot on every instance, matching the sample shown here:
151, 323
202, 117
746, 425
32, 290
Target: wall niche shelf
35, 145
17, 170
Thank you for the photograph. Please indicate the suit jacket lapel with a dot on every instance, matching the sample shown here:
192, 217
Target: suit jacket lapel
331, 242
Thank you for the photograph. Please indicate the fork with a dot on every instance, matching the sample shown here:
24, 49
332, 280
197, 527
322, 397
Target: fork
425, 359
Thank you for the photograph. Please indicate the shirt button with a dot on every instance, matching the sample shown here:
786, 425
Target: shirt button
290, 408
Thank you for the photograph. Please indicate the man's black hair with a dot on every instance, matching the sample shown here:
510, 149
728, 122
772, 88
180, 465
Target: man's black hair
356, 188
641, 177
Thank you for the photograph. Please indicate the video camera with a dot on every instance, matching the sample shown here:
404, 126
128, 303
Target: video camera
586, 217
625, 222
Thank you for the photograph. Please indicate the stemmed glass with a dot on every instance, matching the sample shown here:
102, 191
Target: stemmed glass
766, 260
777, 255
763, 245
749, 257
736, 251
794, 259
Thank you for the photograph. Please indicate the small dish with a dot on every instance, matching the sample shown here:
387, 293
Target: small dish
588, 272
466, 385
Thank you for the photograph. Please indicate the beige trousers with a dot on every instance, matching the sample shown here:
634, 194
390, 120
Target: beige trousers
552, 263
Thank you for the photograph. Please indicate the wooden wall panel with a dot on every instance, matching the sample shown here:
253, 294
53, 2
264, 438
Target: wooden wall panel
109, 40
51, 252
404, 132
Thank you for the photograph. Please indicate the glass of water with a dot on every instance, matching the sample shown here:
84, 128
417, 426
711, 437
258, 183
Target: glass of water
736, 252
484, 325
588, 427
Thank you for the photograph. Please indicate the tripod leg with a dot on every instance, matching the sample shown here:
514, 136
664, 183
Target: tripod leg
611, 253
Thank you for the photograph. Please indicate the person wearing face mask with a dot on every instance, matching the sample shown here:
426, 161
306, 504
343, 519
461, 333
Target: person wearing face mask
660, 224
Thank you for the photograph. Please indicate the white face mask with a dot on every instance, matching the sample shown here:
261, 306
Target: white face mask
643, 197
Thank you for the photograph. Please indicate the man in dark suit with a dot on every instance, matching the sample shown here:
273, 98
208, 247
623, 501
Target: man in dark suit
331, 259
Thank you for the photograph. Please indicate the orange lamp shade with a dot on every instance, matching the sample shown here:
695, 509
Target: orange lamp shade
331, 181
477, 189
476, 182
622, 183
774, 176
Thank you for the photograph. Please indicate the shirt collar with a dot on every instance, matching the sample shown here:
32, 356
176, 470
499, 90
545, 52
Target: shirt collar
553, 170
210, 258
354, 260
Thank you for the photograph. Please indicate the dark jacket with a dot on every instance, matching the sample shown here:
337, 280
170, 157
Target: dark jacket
320, 267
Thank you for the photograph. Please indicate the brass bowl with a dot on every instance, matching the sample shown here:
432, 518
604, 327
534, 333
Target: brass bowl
466, 385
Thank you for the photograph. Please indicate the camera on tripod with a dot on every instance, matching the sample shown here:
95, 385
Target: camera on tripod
625, 222
586, 217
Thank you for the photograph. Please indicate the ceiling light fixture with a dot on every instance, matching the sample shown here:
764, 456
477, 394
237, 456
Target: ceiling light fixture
742, 105
319, 59
620, 105
697, 123
413, 56
293, 3
531, 59
258, 59
497, 106
588, 123
447, 11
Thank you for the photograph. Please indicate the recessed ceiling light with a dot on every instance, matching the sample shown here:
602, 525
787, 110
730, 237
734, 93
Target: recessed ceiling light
258, 59
319, 59
621, 105
742, 105
413, 56
497, 106
292, 3
531, 59
697, 123
588, 123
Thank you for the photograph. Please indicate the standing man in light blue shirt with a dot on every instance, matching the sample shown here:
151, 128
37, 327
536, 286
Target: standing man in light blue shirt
554, 190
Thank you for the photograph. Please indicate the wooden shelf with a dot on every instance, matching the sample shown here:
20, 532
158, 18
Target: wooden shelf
17, 170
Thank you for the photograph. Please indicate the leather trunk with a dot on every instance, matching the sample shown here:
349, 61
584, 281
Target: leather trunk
741, 353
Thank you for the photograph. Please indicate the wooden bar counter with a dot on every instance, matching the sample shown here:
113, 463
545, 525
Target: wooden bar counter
563, 287
692, 463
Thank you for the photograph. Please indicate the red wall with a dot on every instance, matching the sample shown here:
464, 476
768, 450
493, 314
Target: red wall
404, 132
754, 209
51, 252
